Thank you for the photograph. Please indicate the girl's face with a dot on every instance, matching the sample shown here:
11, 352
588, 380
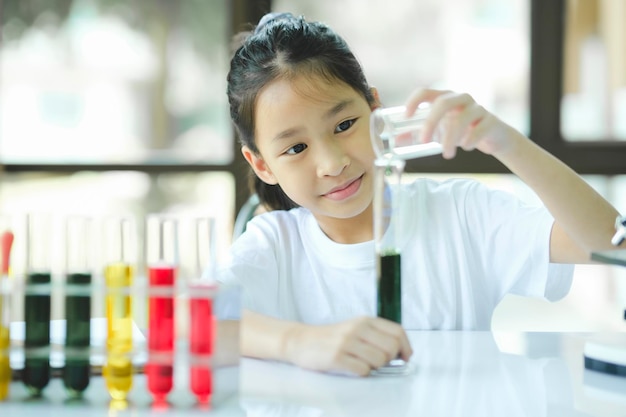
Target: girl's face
313, 139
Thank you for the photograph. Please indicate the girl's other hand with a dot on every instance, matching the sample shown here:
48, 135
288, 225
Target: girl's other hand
456, 120
353, 347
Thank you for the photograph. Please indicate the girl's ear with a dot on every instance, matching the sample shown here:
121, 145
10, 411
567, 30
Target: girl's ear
259, 166
376, 104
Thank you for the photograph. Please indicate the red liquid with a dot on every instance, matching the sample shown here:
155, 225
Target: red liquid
202, 335
159, 369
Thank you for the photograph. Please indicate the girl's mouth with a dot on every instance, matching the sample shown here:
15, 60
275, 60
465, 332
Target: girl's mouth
344, 191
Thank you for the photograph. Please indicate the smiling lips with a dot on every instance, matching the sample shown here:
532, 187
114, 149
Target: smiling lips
344, 191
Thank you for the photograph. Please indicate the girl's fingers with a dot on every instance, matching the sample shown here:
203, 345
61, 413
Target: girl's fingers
443, 106
423, 95
353, 365
356, 346
368, 353
460, 124
394, 334
452, 119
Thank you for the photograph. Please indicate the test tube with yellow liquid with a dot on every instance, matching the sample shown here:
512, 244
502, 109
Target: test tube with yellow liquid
118, 276
6, 241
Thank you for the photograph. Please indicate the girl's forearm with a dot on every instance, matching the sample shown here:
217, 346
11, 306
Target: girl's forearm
264, 337
585, 216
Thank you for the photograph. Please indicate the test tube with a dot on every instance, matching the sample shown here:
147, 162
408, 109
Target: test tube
202, 323
162, 263
36, 373
77, 304
6, 242
387, 234
387, 229
120, 256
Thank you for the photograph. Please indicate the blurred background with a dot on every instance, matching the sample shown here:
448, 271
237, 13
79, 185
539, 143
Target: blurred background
119, 107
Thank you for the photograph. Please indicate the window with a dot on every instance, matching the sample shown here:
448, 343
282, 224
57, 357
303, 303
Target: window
114, 82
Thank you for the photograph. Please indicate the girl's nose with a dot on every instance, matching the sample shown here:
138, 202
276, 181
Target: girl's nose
332, 159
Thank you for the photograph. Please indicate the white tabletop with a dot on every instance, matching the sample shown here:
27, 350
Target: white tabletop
452, 374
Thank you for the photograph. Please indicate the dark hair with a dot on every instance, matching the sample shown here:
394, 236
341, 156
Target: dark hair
283, 45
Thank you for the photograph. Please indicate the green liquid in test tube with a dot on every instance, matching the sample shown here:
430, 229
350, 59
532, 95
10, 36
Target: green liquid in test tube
387, 227
36, 373
78, 313
76, 372
390, 286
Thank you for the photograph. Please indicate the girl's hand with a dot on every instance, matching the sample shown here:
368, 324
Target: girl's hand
353, 347
456, 120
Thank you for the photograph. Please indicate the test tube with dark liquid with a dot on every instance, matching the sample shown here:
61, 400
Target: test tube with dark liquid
36, 373
76, 372
202, 324
387, 230
162, 262
119, 253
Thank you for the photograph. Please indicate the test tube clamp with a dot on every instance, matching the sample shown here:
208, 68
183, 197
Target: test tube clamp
608, 355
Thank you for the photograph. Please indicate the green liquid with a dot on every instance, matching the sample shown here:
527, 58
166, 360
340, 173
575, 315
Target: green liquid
390, 287
78, 315
36, 373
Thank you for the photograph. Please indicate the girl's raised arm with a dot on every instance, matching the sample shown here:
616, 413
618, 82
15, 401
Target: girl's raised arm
584, 220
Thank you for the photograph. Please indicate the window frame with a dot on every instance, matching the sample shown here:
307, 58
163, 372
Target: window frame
241, 13
546, 80
604, 156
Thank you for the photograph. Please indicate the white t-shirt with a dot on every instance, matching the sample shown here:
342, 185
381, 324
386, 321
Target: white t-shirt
464, 247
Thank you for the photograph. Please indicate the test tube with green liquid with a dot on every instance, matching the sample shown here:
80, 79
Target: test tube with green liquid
76, 372
118, 275
387, 232
387, 228
36, 373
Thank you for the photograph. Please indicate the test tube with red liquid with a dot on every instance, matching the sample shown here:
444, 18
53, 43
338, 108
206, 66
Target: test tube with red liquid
202, 323
162, 261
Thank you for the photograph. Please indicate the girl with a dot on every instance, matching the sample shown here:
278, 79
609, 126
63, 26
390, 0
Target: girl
301, 107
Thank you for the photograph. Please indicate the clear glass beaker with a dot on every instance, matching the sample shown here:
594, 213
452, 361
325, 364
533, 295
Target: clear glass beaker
396, 135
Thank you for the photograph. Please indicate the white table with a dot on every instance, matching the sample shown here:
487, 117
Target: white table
452, 374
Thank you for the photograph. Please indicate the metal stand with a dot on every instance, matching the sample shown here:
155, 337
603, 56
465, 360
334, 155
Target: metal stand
608, 355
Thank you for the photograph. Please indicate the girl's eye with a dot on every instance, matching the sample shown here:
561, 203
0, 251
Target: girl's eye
296, 149
345, 125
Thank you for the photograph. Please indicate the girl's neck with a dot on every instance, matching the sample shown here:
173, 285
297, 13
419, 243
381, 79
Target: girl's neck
357, 229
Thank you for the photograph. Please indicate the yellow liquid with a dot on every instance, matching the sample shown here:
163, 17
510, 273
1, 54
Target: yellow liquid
5, 366
118, 371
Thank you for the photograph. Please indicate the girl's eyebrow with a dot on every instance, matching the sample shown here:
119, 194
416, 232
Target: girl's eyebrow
338, 108
333, 111
286, 134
